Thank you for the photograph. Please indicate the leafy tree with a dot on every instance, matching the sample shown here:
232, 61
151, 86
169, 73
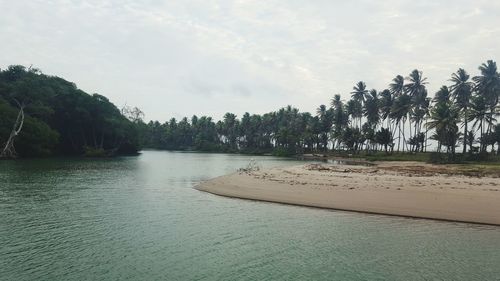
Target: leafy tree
60, 118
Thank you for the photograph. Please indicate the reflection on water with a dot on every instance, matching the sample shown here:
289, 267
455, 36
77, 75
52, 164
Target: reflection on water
139, 218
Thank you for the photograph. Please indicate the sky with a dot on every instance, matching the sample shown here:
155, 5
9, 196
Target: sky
179, 58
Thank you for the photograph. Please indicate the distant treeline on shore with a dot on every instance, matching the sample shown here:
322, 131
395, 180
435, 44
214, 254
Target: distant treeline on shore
400, 118
46, 115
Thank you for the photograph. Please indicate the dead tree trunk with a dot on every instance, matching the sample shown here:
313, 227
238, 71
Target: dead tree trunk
9, 151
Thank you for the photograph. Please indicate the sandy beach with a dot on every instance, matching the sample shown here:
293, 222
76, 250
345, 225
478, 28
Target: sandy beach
403, 188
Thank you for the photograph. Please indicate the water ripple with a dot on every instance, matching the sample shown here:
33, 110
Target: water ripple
138, 218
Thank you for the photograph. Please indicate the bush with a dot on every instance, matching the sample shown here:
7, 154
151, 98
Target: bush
283, 152
479, 157
445, 158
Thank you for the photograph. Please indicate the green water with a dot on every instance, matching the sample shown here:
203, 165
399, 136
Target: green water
138, 218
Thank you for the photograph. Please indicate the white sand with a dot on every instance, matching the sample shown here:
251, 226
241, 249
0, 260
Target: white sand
403, 188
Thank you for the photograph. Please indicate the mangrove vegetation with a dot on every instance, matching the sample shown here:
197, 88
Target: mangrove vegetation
44, 115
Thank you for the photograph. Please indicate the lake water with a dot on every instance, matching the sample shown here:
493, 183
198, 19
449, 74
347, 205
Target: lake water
139, 218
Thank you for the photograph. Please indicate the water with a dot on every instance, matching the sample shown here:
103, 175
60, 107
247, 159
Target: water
138, 218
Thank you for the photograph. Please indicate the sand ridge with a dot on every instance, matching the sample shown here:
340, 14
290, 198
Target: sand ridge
403, 188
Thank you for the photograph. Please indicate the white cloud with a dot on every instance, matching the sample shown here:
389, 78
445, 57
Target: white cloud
176, 58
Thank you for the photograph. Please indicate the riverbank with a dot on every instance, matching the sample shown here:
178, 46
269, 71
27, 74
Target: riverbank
413, 189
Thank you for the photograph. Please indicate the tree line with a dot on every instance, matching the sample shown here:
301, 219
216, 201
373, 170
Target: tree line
44, 115
401, 118
47, 115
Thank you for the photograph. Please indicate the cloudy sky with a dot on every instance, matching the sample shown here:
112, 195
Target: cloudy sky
179, 58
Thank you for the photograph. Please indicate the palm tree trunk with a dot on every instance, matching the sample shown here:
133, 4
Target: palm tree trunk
481, 136
404, 139
399, 134
465, 131
409, 125
426, 131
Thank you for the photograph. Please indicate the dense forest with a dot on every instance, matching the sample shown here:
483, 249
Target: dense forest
401, 118
44, 115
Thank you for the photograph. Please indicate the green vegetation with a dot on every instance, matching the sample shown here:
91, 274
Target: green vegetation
43, 115
47, 115
398, 120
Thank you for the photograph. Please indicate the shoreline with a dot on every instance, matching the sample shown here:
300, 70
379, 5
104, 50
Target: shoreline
410, 189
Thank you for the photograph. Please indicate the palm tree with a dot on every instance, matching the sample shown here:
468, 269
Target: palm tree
444, 119
386, 102
478, 114
426, 107
415, 88
420, 110
462, 93
416, 84
321, 111
336, 102
359, 94
229, 128
326, 120
371, 109
397, 86
340, 118
399, 112
443, 95
359, 91
354, 110
488, 85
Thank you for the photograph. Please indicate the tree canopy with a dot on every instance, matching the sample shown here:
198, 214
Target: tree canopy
60, 118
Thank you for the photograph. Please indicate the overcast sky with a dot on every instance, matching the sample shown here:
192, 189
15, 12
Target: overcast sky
179, 58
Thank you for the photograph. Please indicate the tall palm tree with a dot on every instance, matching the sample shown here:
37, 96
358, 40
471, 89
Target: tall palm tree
478, 114
399, 112
355, 111
326, 120
385, 102
488, 85
462, 93
397, 86
443, 95
359, 94
416, 84
420, 108
415, 88
371, 109
230, 128
444, 119
340, 118
321, 111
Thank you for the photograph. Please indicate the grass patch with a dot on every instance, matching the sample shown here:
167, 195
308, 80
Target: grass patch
419, 157
382, 156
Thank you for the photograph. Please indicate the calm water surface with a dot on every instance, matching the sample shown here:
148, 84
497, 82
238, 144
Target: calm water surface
139, 218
